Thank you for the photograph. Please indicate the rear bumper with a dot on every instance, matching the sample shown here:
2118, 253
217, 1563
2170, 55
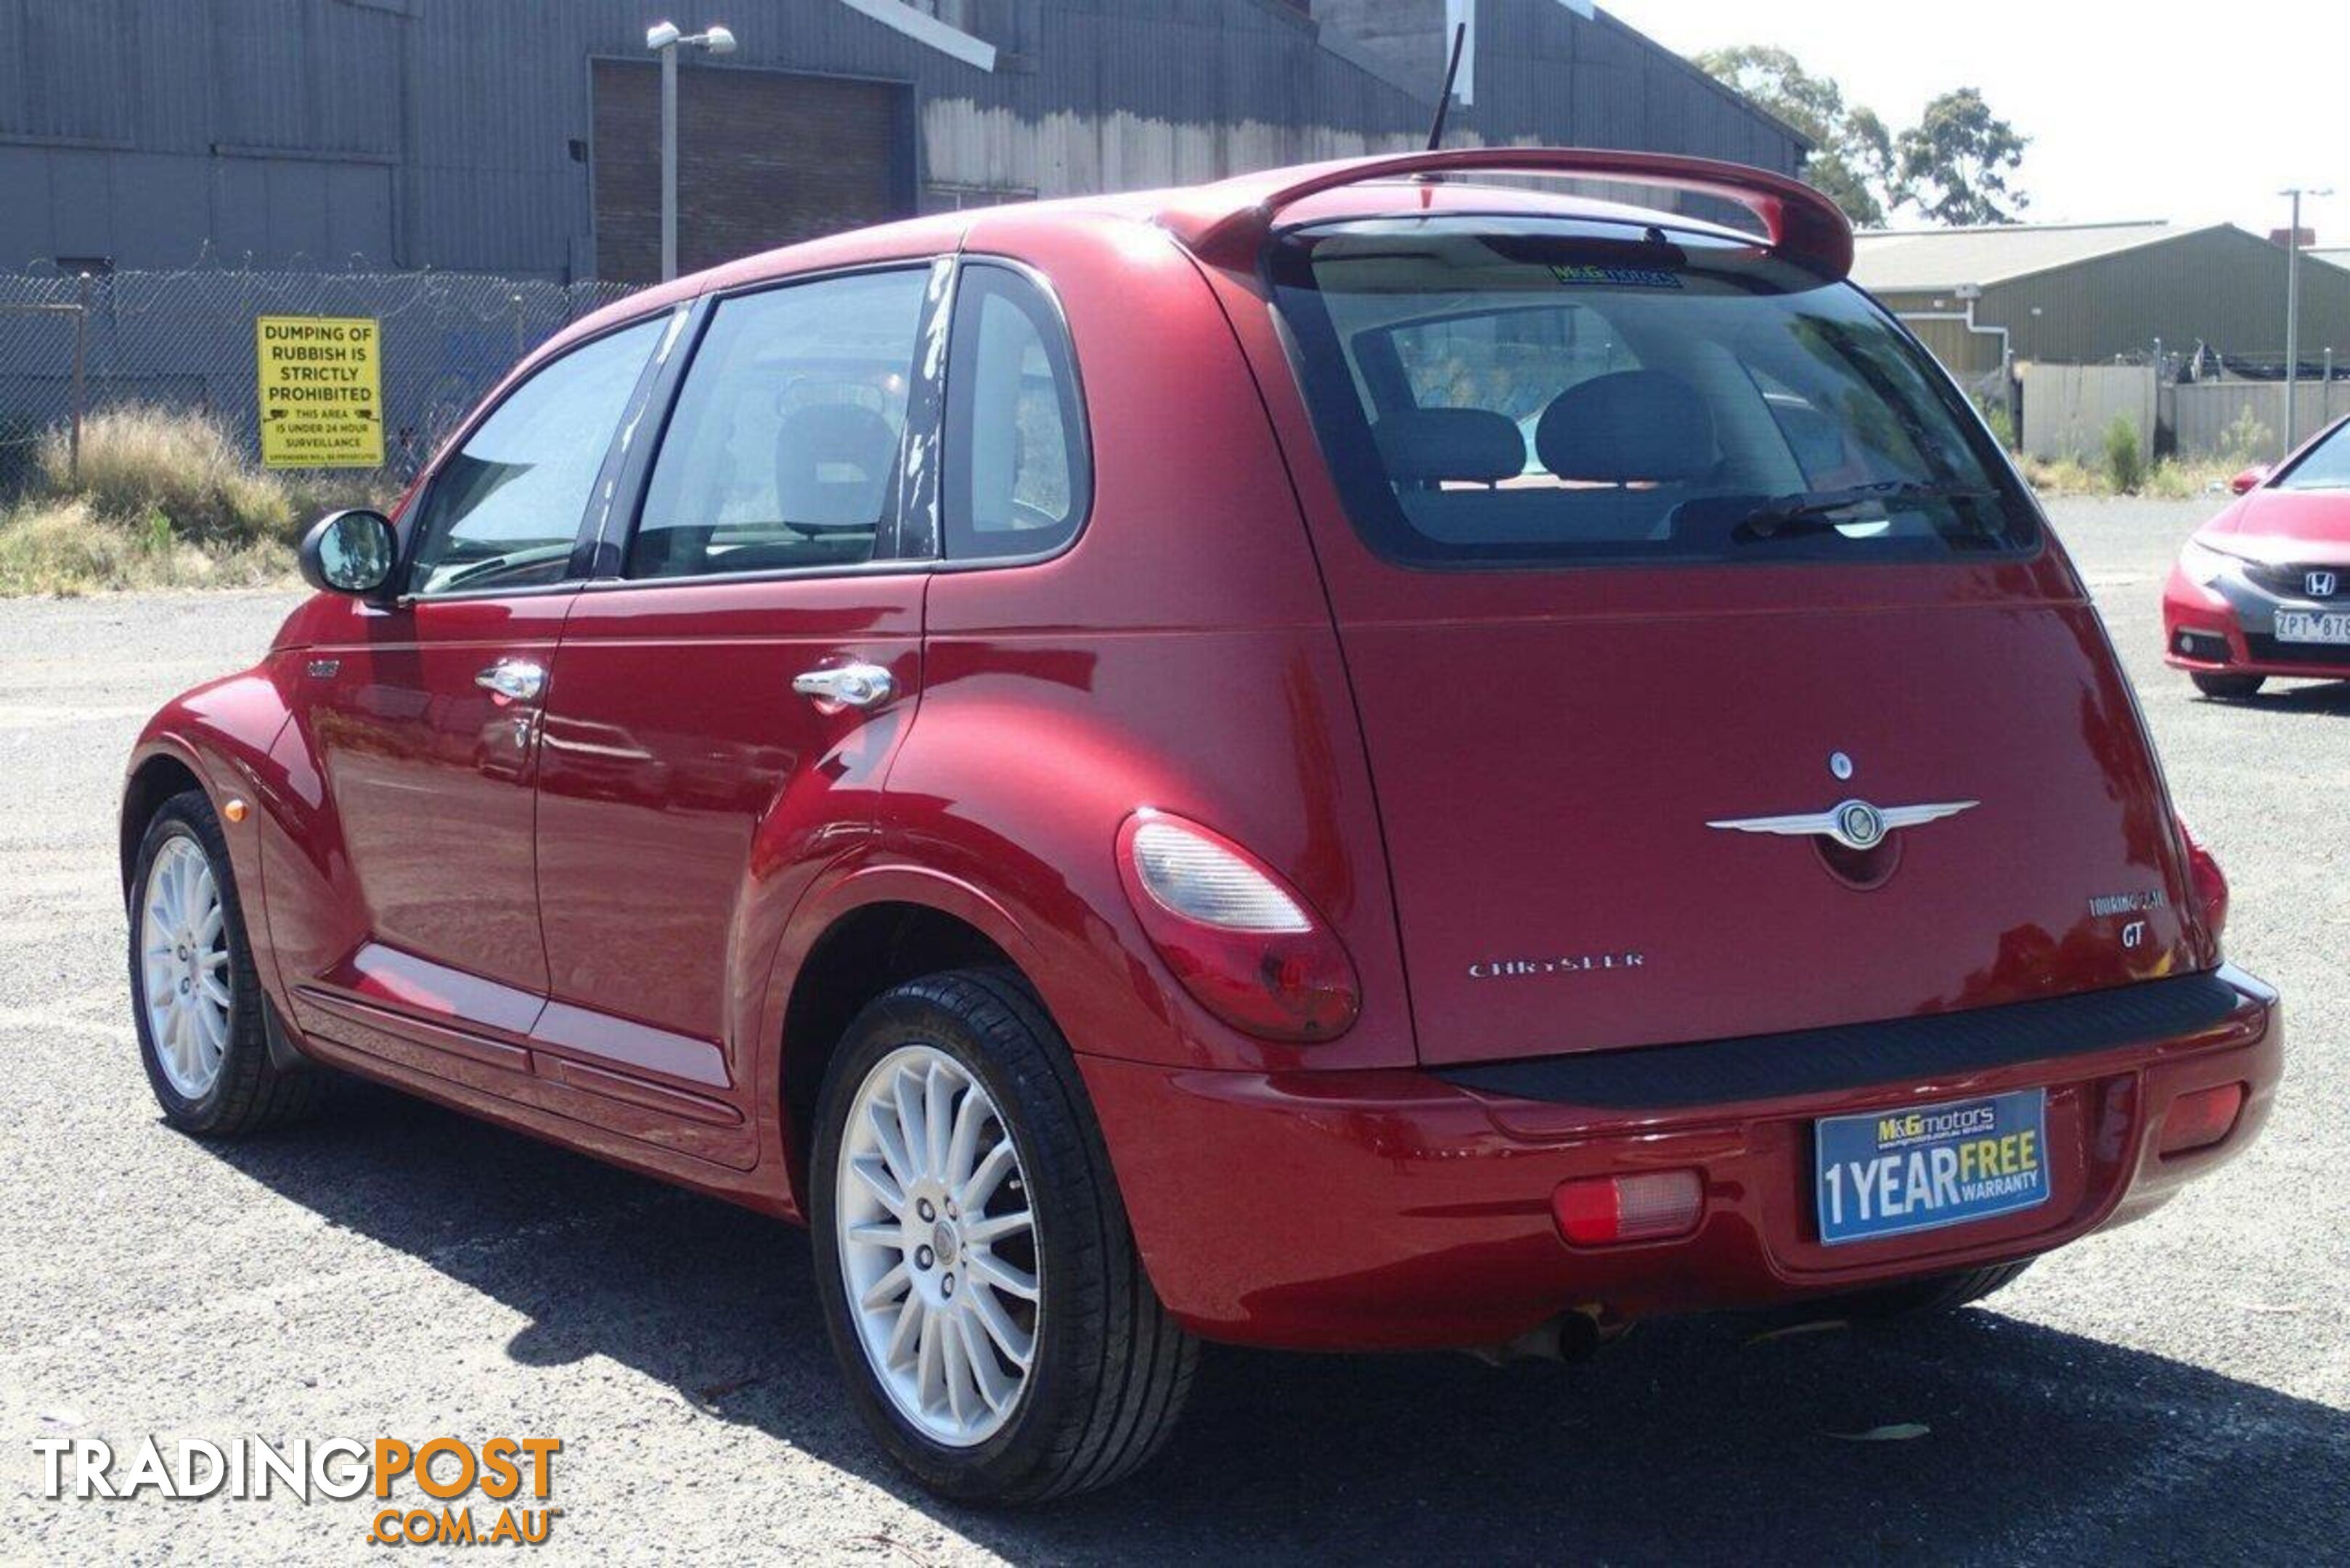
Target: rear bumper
1398, 1208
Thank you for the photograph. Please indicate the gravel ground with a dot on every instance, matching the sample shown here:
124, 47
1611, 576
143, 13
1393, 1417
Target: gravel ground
2176, 1391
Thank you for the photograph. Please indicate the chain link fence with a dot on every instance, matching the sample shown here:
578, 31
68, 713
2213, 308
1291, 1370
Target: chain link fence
74, 344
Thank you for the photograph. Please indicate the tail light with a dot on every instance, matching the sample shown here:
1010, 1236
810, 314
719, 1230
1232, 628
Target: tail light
2210, 884
1600, 1211
1245, 944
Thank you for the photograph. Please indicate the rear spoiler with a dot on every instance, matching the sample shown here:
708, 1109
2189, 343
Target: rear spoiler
1226, 223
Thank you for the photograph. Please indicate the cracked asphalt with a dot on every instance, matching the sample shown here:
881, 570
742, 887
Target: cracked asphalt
2176, 1391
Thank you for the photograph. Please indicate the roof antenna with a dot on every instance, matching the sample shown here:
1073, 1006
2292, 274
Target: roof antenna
1444, 99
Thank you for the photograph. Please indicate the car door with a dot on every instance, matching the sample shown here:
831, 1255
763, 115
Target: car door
733, 692
421, 721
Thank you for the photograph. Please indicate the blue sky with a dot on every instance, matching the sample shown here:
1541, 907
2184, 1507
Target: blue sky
2194, 113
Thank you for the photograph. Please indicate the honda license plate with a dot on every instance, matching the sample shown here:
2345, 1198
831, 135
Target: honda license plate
2312, 625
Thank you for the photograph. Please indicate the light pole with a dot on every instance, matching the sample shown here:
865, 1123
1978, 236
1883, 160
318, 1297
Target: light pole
664, 40
2293, 305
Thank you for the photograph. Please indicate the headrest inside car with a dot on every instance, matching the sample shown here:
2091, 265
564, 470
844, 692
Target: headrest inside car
1429, 446
833, 461
1626, 427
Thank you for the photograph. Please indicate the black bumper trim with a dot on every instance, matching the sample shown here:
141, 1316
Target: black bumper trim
1856, 1056
2262, 649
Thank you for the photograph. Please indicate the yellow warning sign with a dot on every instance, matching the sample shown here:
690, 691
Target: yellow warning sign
321, 391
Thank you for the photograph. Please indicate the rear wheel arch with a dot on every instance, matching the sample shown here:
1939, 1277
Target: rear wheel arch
861, 954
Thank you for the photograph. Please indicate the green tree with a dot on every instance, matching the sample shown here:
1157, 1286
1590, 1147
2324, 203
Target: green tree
1954, 165
1852, 155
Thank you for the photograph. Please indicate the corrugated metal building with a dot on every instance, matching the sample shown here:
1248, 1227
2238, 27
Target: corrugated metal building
2083, 294
518, 139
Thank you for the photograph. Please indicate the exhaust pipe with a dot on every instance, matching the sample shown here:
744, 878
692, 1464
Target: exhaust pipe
1571, 1335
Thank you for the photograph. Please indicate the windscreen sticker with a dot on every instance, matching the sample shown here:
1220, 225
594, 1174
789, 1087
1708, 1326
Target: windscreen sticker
1616, 277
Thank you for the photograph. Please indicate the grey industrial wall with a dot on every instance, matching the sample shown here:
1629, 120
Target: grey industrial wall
1585, 81
2222, 287
734, 196
458, 135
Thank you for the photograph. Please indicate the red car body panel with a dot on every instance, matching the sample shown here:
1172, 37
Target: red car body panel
2276, 523
676, 837
660, 748
1777, 669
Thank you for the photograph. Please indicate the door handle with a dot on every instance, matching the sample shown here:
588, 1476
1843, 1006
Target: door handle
516, 680
846, 686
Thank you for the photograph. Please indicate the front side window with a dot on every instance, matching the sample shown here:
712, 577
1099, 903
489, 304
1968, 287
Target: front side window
504, 511
1018, 481
1528, 391
2326, 465
783, 451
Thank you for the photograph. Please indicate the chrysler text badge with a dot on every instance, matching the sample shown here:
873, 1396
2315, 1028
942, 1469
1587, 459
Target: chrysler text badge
1855, 824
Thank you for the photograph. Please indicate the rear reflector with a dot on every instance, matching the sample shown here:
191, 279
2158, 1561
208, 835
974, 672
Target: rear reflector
2201, 1119
1601, 1210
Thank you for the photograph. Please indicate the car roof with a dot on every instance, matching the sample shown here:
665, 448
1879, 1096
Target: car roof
1225, 220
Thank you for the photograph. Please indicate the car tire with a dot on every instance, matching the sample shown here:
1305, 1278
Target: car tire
195, 999
1107, 1369
2229, 688
1935, 1294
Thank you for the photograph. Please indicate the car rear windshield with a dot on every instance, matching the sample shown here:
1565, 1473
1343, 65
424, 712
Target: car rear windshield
1497, 391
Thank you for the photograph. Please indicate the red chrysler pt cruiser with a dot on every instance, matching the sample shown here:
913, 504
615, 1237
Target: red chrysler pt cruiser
1346, 759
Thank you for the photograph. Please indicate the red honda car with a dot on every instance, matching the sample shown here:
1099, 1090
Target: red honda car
1345, 759
2264, 589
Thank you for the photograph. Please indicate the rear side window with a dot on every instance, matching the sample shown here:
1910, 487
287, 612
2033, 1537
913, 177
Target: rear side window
1524, 391
783, 451
1017, 479
504, 510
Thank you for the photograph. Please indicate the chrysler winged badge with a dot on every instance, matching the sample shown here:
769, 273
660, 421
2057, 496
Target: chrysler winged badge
1855, 824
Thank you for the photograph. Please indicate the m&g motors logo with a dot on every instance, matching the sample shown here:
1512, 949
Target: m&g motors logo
1928, 1126
409, 1478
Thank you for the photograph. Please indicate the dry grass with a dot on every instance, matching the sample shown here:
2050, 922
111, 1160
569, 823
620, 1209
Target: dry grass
137, 461
161, 499
2171, 479
63, 547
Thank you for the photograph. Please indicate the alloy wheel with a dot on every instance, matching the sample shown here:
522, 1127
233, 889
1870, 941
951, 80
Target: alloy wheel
184, 967
938, 1246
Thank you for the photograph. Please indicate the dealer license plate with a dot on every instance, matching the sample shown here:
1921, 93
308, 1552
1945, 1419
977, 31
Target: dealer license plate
2312, 625
1892, 1172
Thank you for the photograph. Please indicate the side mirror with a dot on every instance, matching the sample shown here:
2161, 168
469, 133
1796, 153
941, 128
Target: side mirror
350, 551
2249, 479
